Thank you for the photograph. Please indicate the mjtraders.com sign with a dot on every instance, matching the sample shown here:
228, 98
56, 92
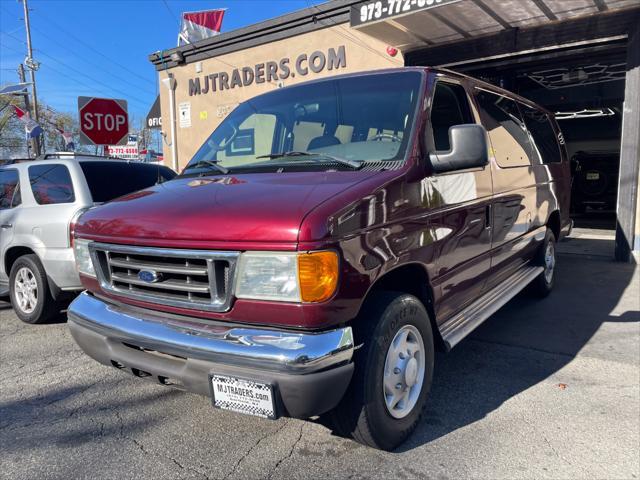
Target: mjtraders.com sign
271, 71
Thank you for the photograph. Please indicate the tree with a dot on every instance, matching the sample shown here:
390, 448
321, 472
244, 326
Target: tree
13, 142
12, 136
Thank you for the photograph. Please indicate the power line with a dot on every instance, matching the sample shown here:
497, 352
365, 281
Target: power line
171, 12
66, 65
11, 48
74, 79
95, 65
348, 35
97, 52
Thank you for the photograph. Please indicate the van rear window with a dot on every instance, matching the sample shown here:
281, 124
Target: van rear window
111, 179
544, 136
503, 121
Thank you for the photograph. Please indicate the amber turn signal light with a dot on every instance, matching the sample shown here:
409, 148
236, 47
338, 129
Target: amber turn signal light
318, 275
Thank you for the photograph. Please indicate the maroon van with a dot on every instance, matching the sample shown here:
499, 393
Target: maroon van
323, 242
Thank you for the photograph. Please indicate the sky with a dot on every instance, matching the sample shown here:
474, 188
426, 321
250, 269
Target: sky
101, 48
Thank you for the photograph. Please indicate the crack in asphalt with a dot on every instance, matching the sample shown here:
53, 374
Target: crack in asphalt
146, 451
289, 455
551, 446
155, 454
252, 448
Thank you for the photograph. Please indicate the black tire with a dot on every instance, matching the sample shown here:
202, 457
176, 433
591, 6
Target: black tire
362, 413
45, 306
543, 284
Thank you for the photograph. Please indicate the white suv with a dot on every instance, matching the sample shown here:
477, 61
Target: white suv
39, 203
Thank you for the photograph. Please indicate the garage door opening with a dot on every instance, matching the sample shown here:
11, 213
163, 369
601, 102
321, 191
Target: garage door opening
585, 89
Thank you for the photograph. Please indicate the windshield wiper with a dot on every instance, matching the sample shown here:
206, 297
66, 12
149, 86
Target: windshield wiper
343, 161
208, 163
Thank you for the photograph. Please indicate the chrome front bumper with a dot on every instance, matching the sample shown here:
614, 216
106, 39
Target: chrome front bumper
309, 371
264, 349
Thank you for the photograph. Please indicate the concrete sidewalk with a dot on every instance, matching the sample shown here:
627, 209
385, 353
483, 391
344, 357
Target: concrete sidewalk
544, 389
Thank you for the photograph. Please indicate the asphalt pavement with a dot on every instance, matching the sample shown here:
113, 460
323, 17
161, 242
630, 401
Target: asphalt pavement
543, 389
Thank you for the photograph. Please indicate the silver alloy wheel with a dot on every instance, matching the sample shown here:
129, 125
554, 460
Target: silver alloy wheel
404, 370
549, 262
25, 289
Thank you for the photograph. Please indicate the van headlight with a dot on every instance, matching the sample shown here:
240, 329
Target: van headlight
84, 264
287, 277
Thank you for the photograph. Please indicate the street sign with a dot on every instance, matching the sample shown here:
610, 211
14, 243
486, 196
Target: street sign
103, 121
154, 117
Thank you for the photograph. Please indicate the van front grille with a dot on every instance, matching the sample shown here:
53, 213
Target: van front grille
195, 279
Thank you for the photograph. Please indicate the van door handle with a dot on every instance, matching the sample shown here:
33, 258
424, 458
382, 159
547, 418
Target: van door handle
6, 225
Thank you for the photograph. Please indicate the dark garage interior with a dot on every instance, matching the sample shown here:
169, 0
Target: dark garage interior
585, 89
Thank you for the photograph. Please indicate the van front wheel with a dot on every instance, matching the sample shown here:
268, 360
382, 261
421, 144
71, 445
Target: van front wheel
393, 372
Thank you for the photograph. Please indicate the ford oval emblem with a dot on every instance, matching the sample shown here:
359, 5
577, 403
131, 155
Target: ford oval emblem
149, 276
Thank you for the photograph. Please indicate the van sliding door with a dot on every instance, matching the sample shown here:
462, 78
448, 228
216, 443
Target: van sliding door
514, 183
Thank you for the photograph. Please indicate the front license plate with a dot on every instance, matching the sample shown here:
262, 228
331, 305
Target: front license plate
243, 396
593, 176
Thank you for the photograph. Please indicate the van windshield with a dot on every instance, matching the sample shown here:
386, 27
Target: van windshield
332, 124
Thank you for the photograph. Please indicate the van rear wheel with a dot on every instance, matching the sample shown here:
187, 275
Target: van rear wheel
393, 372
546, 258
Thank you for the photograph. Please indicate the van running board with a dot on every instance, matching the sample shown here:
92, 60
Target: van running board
466, 321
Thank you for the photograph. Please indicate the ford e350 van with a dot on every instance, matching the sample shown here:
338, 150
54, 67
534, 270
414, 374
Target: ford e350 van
324, 241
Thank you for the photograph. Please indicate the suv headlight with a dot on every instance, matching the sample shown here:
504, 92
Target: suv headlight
287, 277
84, 264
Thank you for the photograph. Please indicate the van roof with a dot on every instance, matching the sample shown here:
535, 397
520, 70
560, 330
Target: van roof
425, 69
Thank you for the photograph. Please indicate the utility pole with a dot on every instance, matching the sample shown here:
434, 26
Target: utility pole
31, 64
27, 106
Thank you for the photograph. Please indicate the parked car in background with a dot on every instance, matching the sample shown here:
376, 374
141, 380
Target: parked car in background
323, 242
595, 180
40, 200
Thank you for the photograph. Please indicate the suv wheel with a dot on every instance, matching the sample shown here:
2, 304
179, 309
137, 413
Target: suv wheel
29, 290
393, 373
546, 258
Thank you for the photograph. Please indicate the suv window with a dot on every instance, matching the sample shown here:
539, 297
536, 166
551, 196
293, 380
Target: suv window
51, 184
111, 179
9, 188
503, 121
542, 133
450, 107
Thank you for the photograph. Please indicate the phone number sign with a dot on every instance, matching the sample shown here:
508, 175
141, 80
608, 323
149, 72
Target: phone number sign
376, 10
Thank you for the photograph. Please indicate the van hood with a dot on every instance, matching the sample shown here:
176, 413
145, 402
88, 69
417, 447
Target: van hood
264, 207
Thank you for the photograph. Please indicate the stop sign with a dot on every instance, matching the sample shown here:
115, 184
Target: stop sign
103, 121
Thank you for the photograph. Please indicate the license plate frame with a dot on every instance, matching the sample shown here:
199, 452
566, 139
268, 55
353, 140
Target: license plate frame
229, 392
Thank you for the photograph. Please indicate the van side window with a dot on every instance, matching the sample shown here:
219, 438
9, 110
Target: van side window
51, 184
9, 189
450, 107
544, 136
504, 123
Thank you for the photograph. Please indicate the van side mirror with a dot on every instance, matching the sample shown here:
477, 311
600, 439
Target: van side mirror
468, 149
